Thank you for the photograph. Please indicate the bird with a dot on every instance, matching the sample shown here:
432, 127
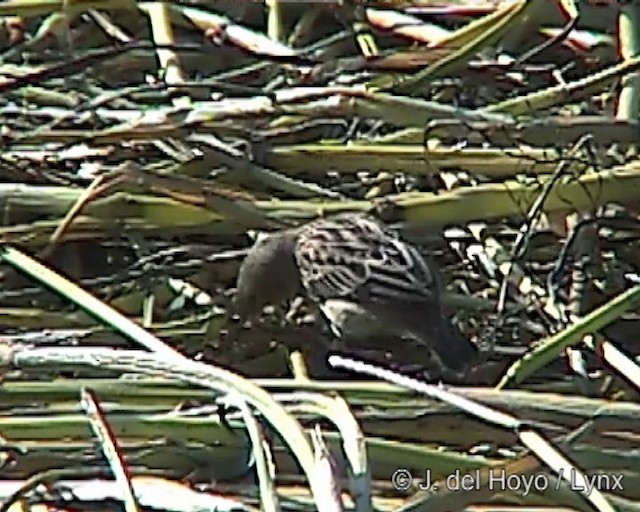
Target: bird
352, 262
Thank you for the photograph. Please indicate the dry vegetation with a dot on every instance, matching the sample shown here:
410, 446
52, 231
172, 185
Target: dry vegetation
144, 146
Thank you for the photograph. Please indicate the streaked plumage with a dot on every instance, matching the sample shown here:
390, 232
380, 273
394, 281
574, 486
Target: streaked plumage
352, 258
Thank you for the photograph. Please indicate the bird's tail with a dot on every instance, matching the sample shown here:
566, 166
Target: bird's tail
453, 348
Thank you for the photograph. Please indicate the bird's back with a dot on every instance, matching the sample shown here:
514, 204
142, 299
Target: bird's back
353, 257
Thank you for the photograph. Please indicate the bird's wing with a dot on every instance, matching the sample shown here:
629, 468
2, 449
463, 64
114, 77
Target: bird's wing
354, 257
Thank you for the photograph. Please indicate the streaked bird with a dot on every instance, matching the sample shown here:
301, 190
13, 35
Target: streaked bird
352, 262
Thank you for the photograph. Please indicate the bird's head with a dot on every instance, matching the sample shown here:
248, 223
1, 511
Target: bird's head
268, 275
